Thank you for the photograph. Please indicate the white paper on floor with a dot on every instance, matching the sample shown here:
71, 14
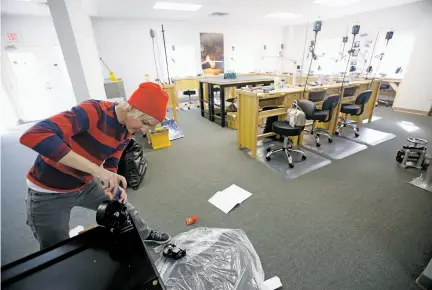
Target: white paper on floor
227, 199
272, 283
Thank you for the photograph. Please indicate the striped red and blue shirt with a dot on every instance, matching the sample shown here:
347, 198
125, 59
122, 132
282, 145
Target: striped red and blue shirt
90, 129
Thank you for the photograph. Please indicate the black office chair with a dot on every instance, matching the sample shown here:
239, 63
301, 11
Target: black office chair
354, 110
284, 129
321, 115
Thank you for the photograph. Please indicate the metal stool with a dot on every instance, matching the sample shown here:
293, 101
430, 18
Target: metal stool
284, 129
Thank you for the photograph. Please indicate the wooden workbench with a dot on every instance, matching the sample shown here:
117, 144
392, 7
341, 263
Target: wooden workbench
394, 84
207, 96
251, 104
250, 113
192, 83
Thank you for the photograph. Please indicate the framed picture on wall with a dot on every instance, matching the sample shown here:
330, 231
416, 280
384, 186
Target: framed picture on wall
212, 53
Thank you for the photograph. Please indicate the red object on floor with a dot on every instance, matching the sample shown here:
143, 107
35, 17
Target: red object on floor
191, 220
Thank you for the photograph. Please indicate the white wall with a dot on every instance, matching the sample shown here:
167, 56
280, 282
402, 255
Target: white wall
404, 20
413, 93
70, 15
8, 118
36, 35
126, 46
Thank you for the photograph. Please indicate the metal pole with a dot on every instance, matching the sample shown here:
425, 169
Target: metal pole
166, 56
372, 55
304, 50
346, 68
310, 65
104, 64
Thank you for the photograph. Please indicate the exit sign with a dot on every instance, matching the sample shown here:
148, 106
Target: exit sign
12, 36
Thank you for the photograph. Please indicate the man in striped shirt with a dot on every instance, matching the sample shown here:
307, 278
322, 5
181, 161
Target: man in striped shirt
79, 152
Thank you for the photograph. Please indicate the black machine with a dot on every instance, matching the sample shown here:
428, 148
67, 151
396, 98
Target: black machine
414, 154
109, 256
173, 252
133, 165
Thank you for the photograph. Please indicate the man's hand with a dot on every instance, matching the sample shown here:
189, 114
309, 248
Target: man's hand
111, 182
123, 196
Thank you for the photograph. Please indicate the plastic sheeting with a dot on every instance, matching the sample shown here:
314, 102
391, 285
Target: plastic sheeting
217, 259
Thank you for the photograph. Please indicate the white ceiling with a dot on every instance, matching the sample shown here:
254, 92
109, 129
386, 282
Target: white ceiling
241, 11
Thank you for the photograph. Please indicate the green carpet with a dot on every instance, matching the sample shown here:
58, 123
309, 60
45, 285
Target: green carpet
354, 224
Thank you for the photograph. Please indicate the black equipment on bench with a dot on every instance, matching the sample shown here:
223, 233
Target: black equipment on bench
110, 256
133, 165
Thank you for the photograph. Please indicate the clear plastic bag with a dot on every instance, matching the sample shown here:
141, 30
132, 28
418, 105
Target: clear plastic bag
217, 259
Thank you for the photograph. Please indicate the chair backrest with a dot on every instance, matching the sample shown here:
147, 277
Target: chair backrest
317, 96
349, 92
307, 107
362, 100
329, 104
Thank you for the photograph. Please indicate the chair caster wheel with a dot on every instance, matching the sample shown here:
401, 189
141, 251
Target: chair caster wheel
304, 157
291, 165
357, 129
318, 144
268, 149
330, 140
337, 133
356, 135
268, 158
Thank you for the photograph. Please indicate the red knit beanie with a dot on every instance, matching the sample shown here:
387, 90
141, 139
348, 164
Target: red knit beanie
151, 99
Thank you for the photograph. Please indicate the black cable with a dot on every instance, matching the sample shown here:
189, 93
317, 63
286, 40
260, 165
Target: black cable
346, 68
343, 50
381, 57
104, 64
372, 55
312, 49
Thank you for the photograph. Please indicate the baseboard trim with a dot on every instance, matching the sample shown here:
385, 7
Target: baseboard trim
411, 111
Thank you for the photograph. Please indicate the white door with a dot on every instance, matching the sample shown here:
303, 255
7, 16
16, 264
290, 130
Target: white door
41, 85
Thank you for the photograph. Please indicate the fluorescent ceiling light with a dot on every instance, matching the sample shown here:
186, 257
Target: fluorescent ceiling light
176, 6
336, 2
279, 15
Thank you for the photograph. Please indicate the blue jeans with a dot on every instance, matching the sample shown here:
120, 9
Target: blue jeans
48, 213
